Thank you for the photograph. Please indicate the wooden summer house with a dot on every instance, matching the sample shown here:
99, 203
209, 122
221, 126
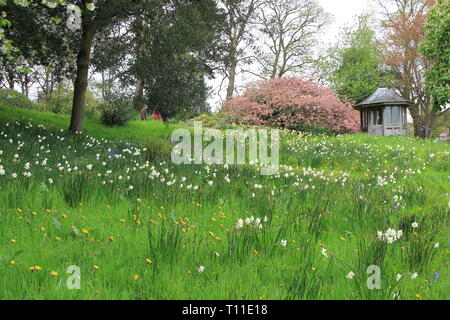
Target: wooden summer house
384, 113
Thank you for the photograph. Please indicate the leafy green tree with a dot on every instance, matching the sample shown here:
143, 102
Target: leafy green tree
86, 19
183, 53
166, 53
353, 65
436, 48
83, 19
45, 47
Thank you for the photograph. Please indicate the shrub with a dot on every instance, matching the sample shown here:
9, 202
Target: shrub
60, 101
157, 149
57, 101
218, 121
12, 98
292, 103
117, 110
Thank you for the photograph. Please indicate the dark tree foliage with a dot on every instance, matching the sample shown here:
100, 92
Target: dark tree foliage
41, 38
166, 49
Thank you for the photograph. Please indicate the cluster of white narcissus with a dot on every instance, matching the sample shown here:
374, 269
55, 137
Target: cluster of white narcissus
250, 222
390, 236
74, 13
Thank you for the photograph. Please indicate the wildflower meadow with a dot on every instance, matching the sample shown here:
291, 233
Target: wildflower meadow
96, 218
224, 158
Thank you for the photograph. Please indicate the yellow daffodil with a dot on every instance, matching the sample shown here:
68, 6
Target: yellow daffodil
35, 268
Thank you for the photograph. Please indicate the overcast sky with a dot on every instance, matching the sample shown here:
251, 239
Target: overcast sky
344, 12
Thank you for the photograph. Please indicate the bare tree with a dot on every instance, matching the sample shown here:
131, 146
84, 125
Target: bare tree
289, 29
239, 15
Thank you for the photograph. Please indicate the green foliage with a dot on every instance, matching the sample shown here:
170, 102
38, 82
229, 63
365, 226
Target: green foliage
58, 101
171, 53
441, 123
327, 196
157, 149
75, 190
217, 121
353, 66
436, 48
12, 98
135, 131
51, 42
314, 130
61, 98
117, 110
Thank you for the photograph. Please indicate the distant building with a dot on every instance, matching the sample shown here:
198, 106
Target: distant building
384, 113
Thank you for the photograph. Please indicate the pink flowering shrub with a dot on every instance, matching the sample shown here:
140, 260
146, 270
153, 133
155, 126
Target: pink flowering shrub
292, 103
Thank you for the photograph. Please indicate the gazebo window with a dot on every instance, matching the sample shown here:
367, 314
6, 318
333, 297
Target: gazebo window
388, 115
395, 115
364, 118
377, 117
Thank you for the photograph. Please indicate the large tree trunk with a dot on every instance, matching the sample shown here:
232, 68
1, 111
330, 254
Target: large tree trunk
11, 81
139, 93
81, 81
231, 79
417, 121
25, 85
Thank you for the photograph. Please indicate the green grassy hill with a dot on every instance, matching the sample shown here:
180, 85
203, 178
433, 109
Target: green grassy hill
135, 131
140, 227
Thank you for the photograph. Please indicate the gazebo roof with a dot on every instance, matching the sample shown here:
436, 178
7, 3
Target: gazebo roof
381, 97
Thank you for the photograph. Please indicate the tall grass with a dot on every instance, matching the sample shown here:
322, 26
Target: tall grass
140, 227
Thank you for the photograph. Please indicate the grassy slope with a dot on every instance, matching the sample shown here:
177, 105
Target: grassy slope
135, 131
341, 217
